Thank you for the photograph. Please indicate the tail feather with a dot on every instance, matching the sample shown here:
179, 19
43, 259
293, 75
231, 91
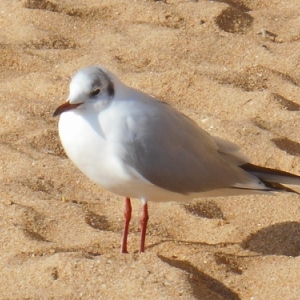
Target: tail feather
273, 178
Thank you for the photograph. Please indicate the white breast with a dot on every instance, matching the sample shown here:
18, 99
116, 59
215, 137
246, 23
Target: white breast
94, 148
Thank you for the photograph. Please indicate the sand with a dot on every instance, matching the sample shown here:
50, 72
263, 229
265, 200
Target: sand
232, 66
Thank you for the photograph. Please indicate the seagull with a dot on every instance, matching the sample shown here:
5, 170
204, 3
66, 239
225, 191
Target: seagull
137, 146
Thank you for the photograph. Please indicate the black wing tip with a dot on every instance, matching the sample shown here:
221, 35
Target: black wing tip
254, 168
277, 187
273, 186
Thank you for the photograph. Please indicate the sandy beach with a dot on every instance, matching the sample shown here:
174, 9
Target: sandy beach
233, 66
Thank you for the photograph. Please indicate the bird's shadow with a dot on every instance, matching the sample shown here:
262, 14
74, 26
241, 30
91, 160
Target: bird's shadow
200, 281
278, 239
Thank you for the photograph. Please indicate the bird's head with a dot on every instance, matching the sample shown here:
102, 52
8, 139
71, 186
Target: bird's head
90, 88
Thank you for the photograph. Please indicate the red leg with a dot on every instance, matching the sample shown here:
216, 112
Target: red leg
144, 221
127, 215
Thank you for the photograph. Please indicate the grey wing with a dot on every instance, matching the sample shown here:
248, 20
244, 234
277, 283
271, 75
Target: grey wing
230, 152
172, 152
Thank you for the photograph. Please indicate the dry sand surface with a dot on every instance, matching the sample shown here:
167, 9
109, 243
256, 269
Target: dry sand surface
232, 66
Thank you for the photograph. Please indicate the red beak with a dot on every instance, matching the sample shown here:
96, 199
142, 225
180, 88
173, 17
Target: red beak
65, 107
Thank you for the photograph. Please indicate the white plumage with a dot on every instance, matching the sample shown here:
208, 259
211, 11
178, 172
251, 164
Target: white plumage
139, 147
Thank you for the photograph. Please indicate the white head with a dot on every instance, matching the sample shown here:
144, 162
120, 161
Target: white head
89, 88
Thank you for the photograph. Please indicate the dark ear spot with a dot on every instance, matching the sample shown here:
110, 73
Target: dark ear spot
110, 89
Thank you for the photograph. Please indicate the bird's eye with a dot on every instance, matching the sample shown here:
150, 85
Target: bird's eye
95, 92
